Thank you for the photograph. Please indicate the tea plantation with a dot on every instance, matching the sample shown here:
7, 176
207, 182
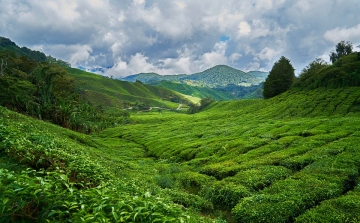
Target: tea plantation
292, 158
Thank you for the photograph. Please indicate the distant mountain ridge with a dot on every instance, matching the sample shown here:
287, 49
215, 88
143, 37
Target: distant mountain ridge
215, 77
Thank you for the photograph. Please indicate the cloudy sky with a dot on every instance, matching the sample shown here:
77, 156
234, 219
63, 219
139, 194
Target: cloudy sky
181, 36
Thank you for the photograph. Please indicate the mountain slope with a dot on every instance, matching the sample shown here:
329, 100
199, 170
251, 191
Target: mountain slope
200, 92
220, 76
220, 82
215, 77
108, 92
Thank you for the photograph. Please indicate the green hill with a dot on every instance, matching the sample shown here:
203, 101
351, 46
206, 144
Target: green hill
200, 92
292, 158
264, 156
221, 76
215, 77
153, 78
220, 82
108, 92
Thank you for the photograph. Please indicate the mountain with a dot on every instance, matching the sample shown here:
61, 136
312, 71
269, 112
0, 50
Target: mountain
220, 83
215, 77
153, 78
221, 76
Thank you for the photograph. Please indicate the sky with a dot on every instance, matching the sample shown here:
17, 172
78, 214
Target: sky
181, 36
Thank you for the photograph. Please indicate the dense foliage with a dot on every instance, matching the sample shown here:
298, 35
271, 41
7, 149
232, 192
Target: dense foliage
279, 160
280, 79
57, 180
342, 49
343, 73
201, 105
48, 92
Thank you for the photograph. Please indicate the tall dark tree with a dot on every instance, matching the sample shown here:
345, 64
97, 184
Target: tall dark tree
280, 79
342, 49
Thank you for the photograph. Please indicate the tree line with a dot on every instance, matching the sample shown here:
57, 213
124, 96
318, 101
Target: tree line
47, 91
343, 72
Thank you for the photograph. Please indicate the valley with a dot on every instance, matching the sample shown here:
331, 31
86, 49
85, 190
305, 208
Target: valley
72, 151
284, 158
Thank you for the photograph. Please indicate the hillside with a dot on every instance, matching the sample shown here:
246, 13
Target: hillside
200, 92
291, 158
153, 78
6, 45
108, 92
220, 83
221, 76
255, 158
215, 77
241, 161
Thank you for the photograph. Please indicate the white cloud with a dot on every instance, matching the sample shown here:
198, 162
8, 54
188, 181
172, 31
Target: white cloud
253, 66
234, 57
347, 34
180, 36
268, 54
81, 55
244, 29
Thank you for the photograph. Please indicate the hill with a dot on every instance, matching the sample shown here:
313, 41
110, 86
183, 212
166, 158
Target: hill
200, 92
242, 161
153, 78
220, 83
263, 156
215, 77
221, 76
6, 45
108, 92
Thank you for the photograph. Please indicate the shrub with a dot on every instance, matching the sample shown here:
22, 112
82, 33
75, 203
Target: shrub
222, 193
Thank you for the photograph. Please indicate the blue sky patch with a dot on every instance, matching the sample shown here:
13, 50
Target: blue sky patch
224, 38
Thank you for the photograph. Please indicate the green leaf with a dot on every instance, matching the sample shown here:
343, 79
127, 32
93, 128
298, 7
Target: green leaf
116, 217
52, 212
5, 200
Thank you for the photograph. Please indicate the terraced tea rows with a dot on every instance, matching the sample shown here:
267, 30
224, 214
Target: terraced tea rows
280, 160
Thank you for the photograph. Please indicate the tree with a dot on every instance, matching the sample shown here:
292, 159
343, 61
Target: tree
280, 79
194, 108
307, 75
342, 49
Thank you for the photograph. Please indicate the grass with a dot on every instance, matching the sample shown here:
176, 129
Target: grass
292, 158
